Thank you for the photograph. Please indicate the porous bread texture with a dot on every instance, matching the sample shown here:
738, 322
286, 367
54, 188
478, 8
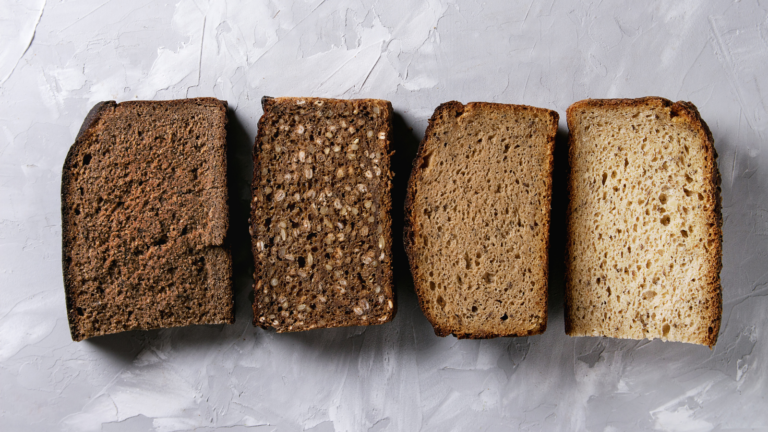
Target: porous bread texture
145, 217
477, 219
320, 223
644, 223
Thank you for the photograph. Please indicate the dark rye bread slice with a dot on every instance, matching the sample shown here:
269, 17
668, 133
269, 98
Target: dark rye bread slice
477, 219
644, 223
320, 222
145, 217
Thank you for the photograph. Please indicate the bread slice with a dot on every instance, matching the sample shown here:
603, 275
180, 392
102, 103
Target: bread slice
320, 223
477, 219
144, 218
644, 223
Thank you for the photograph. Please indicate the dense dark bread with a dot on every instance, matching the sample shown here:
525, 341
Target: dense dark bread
144, 218
644, 223
320, 220
477, 219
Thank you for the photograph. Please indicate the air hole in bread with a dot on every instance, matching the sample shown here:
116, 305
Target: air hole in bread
163, 239
426, 160
488, 278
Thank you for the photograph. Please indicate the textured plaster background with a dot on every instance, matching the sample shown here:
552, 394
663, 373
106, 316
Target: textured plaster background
57, 58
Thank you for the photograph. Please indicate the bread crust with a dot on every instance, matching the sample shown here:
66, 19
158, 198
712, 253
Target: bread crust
90, 123
383, 211
66, 177
411, 224
690, 114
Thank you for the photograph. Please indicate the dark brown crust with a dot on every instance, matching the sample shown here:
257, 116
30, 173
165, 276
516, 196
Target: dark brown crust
94, 115
410, 221
90, 121
266, 103
66, 178
384, 211
691, 114
387, 202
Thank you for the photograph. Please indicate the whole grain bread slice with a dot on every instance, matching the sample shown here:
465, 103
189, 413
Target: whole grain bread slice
320, 223
145, 218
477, 219
644, 222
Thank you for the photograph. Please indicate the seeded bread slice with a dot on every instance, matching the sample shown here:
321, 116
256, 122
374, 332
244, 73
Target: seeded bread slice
644, 222
477, 219
320, 222
145, 217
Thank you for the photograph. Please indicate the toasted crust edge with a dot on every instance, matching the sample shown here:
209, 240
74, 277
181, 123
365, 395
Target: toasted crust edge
91, 120
689, 111
410, 219
267, 102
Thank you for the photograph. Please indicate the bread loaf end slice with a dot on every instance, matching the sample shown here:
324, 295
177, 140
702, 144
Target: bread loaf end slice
145, 218
320, 222
644, 222
477, 219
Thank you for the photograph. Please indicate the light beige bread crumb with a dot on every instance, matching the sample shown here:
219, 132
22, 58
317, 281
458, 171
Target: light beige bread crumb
644, 222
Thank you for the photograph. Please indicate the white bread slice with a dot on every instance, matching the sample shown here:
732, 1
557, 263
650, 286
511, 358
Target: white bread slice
644, 222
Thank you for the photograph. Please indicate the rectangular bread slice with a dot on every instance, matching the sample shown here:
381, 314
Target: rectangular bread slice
644, 223
477, 219
320, 223
144, 218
